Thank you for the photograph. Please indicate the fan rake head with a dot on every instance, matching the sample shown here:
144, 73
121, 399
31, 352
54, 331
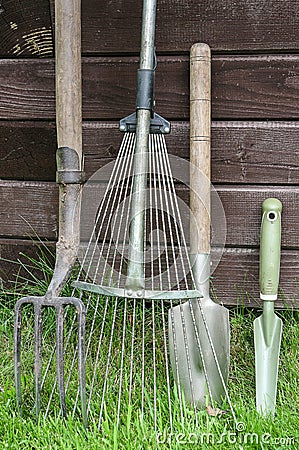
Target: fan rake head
127, 349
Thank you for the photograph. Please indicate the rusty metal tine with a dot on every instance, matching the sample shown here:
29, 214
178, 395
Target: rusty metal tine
58, 303
60, 357
81, 360
37, 355
17, 353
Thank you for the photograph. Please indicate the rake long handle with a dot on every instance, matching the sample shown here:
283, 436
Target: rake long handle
135, 271
68, 74
200, 136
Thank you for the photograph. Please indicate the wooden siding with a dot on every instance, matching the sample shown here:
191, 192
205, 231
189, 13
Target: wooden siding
251, 87
114, 26
255, 106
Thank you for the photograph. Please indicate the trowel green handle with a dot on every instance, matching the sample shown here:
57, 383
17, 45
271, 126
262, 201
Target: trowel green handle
270, 249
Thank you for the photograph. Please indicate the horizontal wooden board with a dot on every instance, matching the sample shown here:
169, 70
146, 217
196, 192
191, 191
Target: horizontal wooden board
225, 25
255, 152
19, 260
252, 87
242, 208
235, 280
242, 152
27, 150
114, 27
29, 208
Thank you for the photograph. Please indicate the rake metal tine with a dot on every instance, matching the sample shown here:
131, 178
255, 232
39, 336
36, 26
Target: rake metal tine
60, 357
37, 355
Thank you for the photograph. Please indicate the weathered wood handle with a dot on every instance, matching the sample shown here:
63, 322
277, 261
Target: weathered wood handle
200, 149
69, 136
68, 74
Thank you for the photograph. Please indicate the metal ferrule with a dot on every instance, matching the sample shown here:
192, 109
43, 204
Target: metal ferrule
69, 177
68, 167
200, 263
268, 297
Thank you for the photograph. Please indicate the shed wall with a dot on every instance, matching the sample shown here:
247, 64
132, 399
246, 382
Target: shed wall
255, 106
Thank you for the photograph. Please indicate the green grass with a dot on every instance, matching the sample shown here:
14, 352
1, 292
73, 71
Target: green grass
133, 431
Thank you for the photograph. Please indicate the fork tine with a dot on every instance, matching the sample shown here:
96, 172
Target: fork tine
17, 353
37, 355
60, 357
81, 360
58, 303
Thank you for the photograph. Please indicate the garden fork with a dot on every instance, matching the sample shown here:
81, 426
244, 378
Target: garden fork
70, 178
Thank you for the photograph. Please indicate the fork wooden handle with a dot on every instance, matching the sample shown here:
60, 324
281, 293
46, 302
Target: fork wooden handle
68, 74
69, 138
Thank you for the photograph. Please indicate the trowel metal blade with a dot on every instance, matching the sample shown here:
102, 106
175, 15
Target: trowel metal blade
267, 349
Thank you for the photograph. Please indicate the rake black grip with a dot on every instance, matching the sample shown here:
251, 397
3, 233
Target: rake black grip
145, 89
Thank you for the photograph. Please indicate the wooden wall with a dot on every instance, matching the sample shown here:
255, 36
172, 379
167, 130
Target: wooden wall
255, 106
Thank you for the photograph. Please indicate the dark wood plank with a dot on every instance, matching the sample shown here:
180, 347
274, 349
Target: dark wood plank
255, 152
242, 207
29, 86
258, 86
114, 27
19, 260
235, 280
226, 25
253, 87
27, 150
29, 208
242, 152
25, 28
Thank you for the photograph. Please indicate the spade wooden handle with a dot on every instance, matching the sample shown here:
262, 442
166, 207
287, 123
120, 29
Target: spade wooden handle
200, 147
68, 74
